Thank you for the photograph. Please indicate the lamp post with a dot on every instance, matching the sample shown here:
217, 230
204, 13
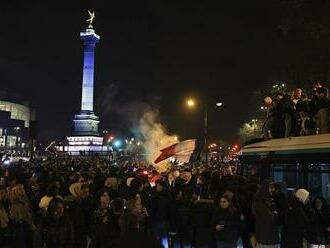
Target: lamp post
191, 104
206, 132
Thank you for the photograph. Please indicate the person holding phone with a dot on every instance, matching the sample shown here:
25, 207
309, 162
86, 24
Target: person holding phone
227, 222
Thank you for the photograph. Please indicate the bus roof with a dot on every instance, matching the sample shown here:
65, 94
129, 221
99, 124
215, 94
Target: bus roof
313, 148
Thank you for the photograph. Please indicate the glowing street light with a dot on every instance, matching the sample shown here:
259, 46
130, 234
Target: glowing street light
219, 104
190, 103
117, 143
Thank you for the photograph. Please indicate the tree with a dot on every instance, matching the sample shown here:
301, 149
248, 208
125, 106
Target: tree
250, 130
258, 113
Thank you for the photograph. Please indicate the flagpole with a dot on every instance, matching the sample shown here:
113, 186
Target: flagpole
206, 132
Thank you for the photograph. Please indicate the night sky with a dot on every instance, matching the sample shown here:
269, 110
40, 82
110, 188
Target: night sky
152, 53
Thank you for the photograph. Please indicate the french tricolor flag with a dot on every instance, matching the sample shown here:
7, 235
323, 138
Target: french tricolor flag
184, 152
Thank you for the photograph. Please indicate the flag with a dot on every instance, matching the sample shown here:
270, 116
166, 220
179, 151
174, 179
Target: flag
51, 148
184, 152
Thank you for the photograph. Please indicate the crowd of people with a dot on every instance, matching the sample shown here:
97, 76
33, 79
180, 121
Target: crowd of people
66, 202
297, 113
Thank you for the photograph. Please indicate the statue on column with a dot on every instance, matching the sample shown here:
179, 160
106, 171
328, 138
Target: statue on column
91, 19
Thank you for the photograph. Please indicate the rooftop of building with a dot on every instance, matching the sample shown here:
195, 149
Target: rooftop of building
14, 98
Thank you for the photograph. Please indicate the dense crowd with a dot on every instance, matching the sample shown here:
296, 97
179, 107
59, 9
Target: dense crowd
67, 202
297, 113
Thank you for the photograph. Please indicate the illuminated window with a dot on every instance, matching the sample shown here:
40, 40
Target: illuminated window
17, 111
11, 141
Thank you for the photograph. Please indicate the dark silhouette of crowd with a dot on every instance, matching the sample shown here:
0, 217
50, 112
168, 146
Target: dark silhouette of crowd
72, 202
297, 113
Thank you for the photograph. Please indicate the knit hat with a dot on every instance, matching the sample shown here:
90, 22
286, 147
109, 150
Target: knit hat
268, 100
111, 182
302, 195
129, 180
75, 189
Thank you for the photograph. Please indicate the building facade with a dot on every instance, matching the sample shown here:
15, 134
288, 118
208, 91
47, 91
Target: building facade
17, 126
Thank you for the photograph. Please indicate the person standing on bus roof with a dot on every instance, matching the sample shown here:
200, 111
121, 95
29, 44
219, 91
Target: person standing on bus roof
322, 110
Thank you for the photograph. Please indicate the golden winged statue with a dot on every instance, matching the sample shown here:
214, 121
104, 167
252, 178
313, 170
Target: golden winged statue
91, 18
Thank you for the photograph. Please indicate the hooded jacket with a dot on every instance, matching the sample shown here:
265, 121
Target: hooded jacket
231, 219
296, 222
266, 217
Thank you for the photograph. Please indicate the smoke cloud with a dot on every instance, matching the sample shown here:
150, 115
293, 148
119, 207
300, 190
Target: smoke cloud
137, 118
155, 137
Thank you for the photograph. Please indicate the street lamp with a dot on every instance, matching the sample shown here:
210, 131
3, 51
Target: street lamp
217, 104
191, 103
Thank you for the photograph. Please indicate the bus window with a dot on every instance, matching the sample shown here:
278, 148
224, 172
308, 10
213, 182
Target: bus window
319, 180
290, 174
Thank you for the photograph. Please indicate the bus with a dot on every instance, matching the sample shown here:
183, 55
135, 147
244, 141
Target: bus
298, 162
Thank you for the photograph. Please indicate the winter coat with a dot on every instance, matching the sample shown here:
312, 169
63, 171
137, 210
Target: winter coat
78, 213
322, 103
317, 232
5, 237
231, 219
295, 224
98, 218
303, 106
245, 198
288, 105
266, 220
137, 208
228, 182
201, 216
138, 239
160, 207
5, 232
54, 234
109, 234
188, 191
20, 234
281, 206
